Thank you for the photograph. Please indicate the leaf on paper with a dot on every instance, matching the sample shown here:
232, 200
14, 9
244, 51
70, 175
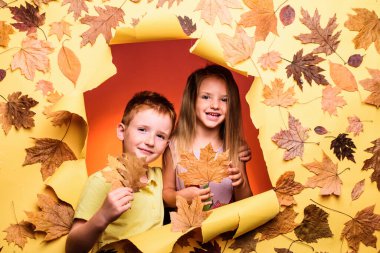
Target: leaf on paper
246, 242
287, 15
355, 60
361, 229
343, 147
320, 130
187, 25
269, 60
210, 9
328, 42
277, 96
2, 5
282, 250
314, 225
211, 167
32, 56
55, 217
69, 64
374, 162
18, 233
45, 86
343, 77
293, 139
188, 216
330, 100
76, 7
286, 187
358, 190
211, 246
16, 112
372, 85
170, 3
3, 74
51, 153
108, 18
367, 23
28, 18
262, 16
307, 66
5, 30
354, 125
58, 118
238, 48
326, 176
59, 29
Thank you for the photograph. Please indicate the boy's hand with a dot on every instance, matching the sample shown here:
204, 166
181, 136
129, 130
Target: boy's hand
189, 193
244, 153
116, 203
235, 176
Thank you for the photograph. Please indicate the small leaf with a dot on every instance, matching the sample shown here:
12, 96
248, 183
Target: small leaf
331, 101
5, 30
187, 25
276, 96
59, 29
69, 64
45, 86
320, 130
372, 85
286, 187
18, 233
246, 242
357, 190
355, 60
355, 125
287, 15
269, 60
343, 147
3, 74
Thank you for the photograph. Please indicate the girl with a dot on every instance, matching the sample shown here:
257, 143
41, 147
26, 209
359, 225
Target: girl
210, 113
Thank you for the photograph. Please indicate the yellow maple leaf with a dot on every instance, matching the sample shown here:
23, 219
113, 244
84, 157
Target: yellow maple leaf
5, 30
276, 96
210, 9
18, 233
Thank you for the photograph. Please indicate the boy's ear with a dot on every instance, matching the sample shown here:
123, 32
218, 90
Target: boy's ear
120, 129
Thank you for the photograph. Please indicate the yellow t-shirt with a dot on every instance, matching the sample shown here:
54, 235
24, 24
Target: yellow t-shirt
146, 213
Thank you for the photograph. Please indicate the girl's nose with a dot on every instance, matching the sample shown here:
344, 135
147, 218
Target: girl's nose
214, 104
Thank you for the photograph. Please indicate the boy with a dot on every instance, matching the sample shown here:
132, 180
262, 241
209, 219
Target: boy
104, 216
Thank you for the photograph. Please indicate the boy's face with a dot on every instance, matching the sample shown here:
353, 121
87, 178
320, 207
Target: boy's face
147, 134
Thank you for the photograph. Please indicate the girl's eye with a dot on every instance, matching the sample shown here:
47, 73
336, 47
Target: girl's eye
225, 99
205, 96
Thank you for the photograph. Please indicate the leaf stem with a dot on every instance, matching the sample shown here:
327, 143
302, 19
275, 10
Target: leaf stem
282, 119
343, 171
331, 208
9, 49
311, 142
43, 32
280, 5
14, 211
299, 241
304, 103
286, 59
71, 118
3, 97
329, 136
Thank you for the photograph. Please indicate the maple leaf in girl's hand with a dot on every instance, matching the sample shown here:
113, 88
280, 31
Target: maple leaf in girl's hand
286, 187
5, 30
276, 96
210, 9
374, 162
372, 85
211, 167
330, 100
18, 233
269, 60
29, 18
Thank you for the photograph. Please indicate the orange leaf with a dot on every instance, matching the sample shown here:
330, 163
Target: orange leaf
331, 100
372, 85
60, 28
343, 77
357, 190
286, 187
355, 125
210, 9
69, 64
5, 30
18, 233
45, 86
269, 60
277, 96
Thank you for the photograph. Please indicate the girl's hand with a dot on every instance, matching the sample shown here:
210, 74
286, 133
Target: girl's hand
116, 203
235, 176
244, 153
189, 193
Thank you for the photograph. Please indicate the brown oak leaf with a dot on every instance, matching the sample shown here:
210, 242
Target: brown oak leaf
286, 187
343, 77
361, 229
314, 225
108, 18
16, 112
51, 153
187, 25
330, 100
54, 217
59, 29
211, 167
45, 86
58, 118
5, 30
269, 60
28, 18
358, 190
276, 96
18, 233
355, 125
367, 23
293, 139
307, 66
328, 42
170, 3
32, 56
238, 48
374, 162
76, 7
188, 216
246, 242
210, 9
372, 85
69, 64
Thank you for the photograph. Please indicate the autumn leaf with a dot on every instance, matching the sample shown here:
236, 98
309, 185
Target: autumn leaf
45, 86
3, 74
40, 2
326, 176
355, 60
69, 64
54, 217
18, 233
238, 48
28, 18
211, 167
246, 242
358, 190
328, 42
320, 130
2, 5
59, 29
187, 25
108, 18
188, 216
58, 118
367, 23
293, 139
330, 100
343, 77
343, 147
262, 16
282, 250
287, 15
16, 112
372, 85
374, 162
269, 60
286, 187
276, 96
170, 3
354, 125
32, 56
76, 7
51, 153
5, 30
210, 9
361, 229
314, 225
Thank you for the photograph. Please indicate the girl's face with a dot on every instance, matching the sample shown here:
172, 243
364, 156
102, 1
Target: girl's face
211, 103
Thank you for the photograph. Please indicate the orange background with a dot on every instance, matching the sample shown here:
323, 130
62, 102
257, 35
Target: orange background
162, 67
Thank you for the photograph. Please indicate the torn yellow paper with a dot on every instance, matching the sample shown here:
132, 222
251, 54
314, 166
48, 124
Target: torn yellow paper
72, 102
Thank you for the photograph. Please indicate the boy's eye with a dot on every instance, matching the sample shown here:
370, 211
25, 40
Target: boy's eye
162, 137
141, 129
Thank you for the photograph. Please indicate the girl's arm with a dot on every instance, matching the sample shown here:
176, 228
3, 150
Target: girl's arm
240, 182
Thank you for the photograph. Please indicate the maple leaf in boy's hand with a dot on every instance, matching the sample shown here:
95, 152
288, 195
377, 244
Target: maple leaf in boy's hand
55, 217
246, 242
211, 167
29, 18
372, 85
210, 9
330, 100
269, 60
343, 147
188, 216
286, 187
361, 229
59, 29
276, 96
76, 6
374, 162
355, 125
108, 18
293, 139
18, 233
5, 30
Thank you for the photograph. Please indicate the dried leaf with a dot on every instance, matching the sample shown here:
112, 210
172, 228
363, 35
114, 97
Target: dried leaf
276, 96
45, 86
361, 229
28, 18
287, 15
354, 125
211, 246
55, 217
367, 23
358, 190
330, 100
262, 16
18, 233
282, 250
51, 153
343, 77
2, 5
320, 130
58, 118
372, 85
269, 60
355, 60
211, 167
187, 25
16, 112
293, 139
60, 28
343, 147
5, 30
69, 64
210, 9
3, 74
286, 187
326, 176
188, 216
246, 242
238, 48
108, 18
32, 56
170, 3
374, 162
76, 7
314, 225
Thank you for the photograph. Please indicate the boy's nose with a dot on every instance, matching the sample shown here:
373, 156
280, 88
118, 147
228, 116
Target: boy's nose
149, 140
